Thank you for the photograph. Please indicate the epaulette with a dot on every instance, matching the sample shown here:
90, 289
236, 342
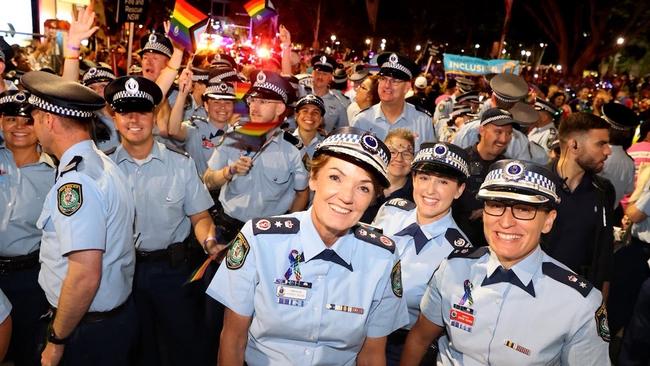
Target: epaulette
567, 277
375, 238
423, 110
474, 253
456, 239
196, 117
177, 150
276, 225
110, 151
293, 140
402, 203
368, 227
74, 163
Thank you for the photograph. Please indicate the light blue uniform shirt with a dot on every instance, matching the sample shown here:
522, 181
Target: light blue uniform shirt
543, 136
310, 334
374, 120
202, 137
309, 148
194, 109
417, 268
444, 108
619, 169
114, 139
518, 148
166, 191
104, 221
336, 110
269, 187
5, 307
505, 325
641, 230
22, 192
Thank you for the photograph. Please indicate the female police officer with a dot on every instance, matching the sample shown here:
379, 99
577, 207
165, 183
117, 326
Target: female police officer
511, 304
424, 231
312, 287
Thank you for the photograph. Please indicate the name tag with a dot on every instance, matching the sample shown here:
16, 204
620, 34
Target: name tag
461, 317
291, 292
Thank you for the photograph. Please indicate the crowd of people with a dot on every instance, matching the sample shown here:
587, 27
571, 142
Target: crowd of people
338, 213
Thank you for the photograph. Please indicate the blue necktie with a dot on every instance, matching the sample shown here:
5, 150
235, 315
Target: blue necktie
417, 234
507, 275
331, 256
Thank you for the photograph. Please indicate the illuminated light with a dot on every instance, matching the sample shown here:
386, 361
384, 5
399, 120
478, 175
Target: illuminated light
383, 40
542, 44
523, 52
559, 67
462, 51
140, 26
584, 34
418, 47
620, 40
535, 76
84, 42
503, 51
383, 46
263, 52
368, 41
437, 61
477, 46
328, 50
333, 37
527, 53
337, 43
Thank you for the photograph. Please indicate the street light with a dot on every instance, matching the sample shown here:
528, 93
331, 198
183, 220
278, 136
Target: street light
620, 41
527, 56
333, 37
367, 41
418, 48
477, 46
383, 40
542, 44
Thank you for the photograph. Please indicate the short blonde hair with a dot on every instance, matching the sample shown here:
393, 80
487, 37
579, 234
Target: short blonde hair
402, 133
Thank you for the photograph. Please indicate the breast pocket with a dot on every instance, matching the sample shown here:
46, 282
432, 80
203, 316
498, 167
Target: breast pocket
173, 202
277, 177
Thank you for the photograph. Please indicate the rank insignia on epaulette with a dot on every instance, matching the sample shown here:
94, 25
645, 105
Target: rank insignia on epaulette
456, 239
602, 327
567, 277
237, 252
276, 225
370, 236
396, 279
69, 198
470, 252
402, 203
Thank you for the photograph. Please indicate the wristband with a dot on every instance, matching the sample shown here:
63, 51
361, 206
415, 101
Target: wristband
52, 338
231, 170
72, 58
74, 48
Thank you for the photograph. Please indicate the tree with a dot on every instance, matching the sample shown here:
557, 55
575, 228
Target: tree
585, 31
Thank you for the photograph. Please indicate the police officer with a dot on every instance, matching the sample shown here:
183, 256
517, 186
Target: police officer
511, 303
96, 78
464, 108
544, 131
310, 111
26, 175
269, 181
195, 108
202, 134
424, 231
311, 287
392, 111
507, 90
463, 87
87, 255
170, 200
336, 103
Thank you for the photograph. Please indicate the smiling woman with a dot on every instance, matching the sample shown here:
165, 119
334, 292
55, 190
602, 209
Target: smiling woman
280, 270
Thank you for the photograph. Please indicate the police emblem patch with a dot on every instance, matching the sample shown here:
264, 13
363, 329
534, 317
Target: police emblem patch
237, 253
263, 224
261, 77
153, 38
396, 279
602, 327
69, 198
131, 86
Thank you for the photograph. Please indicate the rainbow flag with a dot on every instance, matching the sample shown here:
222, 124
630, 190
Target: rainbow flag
256, 129
253, 7
241, 108
183, 18
260, 10
199, 272
241, 88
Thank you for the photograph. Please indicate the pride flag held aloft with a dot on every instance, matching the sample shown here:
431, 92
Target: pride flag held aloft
184, 17
260, 10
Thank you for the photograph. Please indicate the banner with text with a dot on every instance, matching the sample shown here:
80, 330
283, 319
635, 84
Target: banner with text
465, 65
131, 11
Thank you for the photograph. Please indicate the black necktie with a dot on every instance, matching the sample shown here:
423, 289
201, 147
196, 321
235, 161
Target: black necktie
507, 275
417, 234
331, 256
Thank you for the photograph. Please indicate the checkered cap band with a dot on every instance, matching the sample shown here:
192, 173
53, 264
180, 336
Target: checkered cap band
505, 98
97, 74
218, 89
11, 98
200, 77
353, 141
545, 107
614, 125
460, 111
449, 158
272, 87
220, 77
529, 179
397, 66
319, 63
467, 98
311, 99
495, 118
123, 94
157, 46
63, 111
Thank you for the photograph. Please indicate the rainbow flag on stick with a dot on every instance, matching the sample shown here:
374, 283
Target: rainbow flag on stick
260, 10
241, 88
184, 17
199, 272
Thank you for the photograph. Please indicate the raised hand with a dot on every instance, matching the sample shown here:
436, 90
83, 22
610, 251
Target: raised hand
81, 26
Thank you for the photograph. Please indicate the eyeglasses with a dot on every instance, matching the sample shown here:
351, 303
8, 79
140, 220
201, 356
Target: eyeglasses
391, 81
406, 155
252, 100
519, 211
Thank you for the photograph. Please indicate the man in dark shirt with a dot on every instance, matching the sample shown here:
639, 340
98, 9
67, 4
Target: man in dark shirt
582, 235
495, 134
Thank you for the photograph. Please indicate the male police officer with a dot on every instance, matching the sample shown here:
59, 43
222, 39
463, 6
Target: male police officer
87, 254
392, 111
336, 104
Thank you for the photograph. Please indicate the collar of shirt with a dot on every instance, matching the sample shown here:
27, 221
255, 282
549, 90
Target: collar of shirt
80, 148
156, 153
313, 244
379, 114
434, 229
317, 138
525, 269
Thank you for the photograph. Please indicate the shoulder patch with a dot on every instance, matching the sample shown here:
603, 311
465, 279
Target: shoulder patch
396, 279
456, 239
602, 326
177, 150
567, 277
73, 165
474, 253
423, 110
69, 198
293, 140
276, 225
237, 252
369, 227
375, 238
110, 151
402, 203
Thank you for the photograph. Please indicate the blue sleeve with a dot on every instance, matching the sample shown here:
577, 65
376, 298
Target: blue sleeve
584, 346
5, 307
197, 197
301, 176
431, 303
219, 158
389, 313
